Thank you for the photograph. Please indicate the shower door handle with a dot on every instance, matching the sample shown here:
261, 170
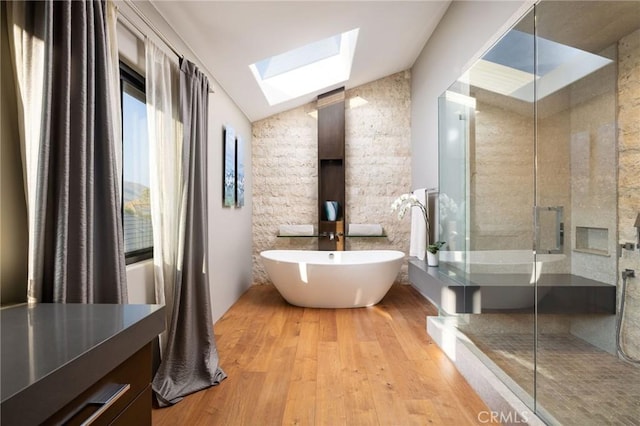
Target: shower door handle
542, 230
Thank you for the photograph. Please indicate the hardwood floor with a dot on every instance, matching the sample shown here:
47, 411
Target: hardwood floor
297, 366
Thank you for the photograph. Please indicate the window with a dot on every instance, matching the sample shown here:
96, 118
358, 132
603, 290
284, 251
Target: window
136, 207
508, 69
308, 68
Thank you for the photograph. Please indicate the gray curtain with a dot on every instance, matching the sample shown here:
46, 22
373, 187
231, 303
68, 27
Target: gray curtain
78, 254
190, 359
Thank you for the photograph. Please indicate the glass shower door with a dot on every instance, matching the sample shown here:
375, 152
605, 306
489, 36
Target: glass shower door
539, 196
456, 113
580, 98
501, 205
487, 202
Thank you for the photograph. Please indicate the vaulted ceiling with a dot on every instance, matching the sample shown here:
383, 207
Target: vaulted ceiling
228, 36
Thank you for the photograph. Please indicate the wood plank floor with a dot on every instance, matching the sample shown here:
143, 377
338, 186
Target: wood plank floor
296, 366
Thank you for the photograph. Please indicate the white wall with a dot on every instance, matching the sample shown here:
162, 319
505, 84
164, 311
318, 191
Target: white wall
229, 262
230, 240
467, 29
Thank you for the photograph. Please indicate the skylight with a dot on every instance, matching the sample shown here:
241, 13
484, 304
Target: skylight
508, 67
312, 67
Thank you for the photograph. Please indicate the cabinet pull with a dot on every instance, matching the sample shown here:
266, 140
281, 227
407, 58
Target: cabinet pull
105, 399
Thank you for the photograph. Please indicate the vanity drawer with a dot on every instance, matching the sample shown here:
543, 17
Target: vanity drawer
108, 398
138, 412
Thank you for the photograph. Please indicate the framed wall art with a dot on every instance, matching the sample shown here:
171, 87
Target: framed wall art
229, 182
239, 171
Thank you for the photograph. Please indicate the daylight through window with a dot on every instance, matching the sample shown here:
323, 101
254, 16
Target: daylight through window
136, 208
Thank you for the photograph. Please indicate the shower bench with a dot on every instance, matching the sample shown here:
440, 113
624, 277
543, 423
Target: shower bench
455, 291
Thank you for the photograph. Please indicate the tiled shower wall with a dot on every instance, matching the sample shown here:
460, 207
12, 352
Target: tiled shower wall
378, 169
629, 179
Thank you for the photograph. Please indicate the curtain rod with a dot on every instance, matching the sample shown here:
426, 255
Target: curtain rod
157, 32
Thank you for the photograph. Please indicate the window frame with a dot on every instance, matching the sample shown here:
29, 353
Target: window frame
131, 77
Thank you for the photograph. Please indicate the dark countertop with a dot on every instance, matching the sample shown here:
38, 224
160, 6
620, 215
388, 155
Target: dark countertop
52, 352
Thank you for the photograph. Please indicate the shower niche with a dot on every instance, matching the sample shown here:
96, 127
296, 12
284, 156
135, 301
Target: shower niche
536, 194
592, 240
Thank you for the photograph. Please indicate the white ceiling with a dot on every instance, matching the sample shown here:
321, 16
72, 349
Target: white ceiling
228, 36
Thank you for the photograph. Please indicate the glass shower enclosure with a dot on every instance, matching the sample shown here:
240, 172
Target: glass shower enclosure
539, 159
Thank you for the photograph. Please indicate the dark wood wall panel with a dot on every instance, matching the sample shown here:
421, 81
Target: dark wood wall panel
331, 131
331, 167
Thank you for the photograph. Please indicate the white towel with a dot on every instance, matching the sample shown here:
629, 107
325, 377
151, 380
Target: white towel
295, 230
365, 229
418, 243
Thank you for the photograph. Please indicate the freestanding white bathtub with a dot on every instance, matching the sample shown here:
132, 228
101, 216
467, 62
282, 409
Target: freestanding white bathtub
332, 279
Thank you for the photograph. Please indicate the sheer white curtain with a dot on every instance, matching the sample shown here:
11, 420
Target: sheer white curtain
26, 26
167, 184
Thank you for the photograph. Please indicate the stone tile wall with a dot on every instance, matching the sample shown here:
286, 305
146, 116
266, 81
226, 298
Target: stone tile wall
378, 169
502, 175
629, 179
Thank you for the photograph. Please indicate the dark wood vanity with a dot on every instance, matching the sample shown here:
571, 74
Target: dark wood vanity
78, 363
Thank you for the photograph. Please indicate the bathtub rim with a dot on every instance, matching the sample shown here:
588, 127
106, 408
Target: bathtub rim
397, 255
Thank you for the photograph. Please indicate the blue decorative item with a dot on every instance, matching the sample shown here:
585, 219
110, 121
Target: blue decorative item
331, 210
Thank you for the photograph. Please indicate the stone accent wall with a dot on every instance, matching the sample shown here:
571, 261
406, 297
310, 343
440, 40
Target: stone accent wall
629, 179
378, 169
378, 156
501, 175
285, 181
592, 140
